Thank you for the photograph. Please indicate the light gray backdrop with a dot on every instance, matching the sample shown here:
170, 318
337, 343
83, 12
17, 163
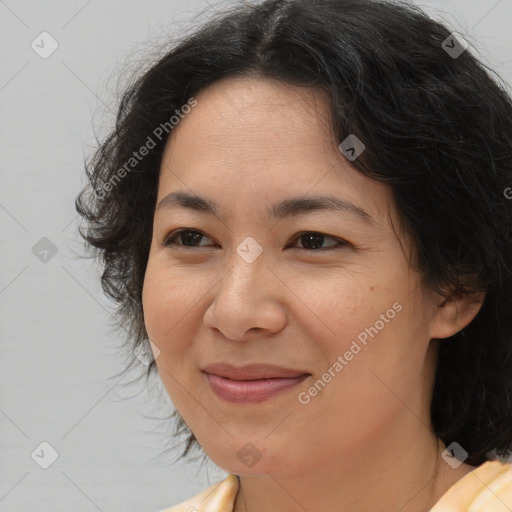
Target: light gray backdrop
57, 355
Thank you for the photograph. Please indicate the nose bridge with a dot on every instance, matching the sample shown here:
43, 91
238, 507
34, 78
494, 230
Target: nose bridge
247, 262
249, 249
247, 267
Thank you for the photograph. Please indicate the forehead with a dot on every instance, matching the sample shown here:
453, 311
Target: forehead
256, 116
264, 139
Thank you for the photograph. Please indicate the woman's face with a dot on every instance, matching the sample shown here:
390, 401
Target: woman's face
340, 308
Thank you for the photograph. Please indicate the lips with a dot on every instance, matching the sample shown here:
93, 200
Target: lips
250, 383
252, 371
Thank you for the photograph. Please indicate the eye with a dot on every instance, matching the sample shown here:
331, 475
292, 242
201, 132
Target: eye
187, 237
312, 240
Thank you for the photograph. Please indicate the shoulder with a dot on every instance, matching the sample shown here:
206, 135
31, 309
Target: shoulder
219, 497
488, 488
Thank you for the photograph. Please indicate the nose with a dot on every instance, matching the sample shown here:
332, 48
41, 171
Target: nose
248, 302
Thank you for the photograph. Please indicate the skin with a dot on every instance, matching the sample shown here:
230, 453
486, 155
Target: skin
363, 443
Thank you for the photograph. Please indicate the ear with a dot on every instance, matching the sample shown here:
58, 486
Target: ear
453, 314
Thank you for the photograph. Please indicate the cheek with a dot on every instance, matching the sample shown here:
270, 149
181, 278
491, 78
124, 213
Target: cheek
363, 395
170, 301
335, 309
370, 339
171, 315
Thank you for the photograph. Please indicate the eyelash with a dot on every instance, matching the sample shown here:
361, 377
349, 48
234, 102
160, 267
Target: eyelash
169, 241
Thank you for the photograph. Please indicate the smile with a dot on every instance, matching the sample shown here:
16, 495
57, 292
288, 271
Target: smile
251, 383
250, 391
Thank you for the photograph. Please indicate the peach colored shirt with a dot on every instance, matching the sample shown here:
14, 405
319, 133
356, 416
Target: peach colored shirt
488, 488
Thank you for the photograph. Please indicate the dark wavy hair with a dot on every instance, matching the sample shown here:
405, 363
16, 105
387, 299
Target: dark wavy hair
437, 128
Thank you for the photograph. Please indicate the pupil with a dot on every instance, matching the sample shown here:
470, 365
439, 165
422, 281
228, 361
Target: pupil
190, 236
312, 238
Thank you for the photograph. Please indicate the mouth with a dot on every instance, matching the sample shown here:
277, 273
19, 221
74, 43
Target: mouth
251, 383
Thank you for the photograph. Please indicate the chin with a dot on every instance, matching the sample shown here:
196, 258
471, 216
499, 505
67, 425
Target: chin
249, 458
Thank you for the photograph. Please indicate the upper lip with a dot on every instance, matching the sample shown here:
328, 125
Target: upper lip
252, 371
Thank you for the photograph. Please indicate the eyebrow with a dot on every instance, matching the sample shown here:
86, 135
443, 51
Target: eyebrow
286, 208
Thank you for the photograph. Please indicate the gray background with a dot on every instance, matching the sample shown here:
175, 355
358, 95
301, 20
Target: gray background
59, 357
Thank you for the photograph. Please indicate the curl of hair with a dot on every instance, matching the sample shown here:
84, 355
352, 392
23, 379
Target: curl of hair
437, 129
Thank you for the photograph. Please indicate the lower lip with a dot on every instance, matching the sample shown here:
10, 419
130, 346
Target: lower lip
250, 391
